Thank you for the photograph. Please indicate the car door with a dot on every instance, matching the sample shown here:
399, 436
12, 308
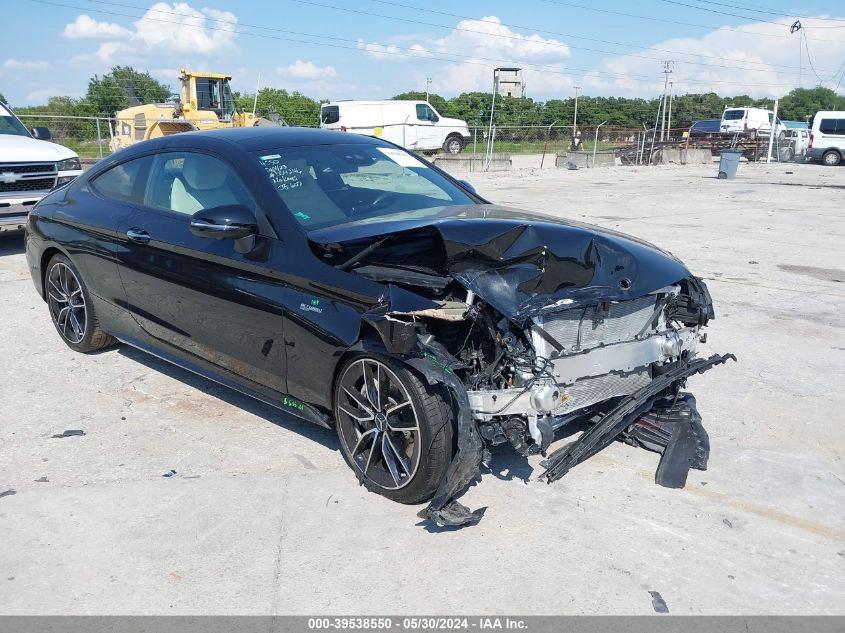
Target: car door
93, 218
197, 295
428, 134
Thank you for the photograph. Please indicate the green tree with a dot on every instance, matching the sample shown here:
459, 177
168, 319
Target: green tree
295, 108
802, 103
3, 98
110, 93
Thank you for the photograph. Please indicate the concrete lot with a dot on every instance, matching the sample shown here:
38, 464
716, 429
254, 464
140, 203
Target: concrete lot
263, 516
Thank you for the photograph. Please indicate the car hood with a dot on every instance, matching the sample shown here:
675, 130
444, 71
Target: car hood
523, 263
24, 149
446, 121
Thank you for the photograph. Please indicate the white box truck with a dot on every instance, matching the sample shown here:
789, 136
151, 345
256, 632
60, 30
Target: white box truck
827, 137
414, 125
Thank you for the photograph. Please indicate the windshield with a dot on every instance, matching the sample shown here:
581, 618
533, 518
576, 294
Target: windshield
9, 124
733, 115
326, 185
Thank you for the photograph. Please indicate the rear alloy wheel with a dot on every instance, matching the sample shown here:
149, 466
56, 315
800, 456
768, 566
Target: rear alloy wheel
453, 145
831, 158
71, 309
394, 432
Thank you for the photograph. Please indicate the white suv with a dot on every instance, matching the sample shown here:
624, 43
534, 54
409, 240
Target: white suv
30, 167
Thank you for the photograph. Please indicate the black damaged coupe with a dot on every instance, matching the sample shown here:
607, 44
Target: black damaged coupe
354, 285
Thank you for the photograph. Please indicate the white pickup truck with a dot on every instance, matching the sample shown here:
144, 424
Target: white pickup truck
30, 168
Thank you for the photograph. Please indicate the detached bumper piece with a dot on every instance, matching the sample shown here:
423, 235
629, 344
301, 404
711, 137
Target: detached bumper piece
678, 440
672, 428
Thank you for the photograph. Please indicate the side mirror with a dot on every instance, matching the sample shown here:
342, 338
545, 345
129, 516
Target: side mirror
41, 133
468, 186
228, 222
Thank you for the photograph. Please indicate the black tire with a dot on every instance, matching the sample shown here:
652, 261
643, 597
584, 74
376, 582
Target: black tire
428, 449
453, 144
831, 158
75, 321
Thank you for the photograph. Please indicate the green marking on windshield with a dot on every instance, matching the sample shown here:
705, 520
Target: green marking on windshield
302, 215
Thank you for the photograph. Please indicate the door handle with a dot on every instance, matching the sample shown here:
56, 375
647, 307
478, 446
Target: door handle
138, 236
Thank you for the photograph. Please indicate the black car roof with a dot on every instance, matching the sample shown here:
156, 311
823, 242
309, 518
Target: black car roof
258, 138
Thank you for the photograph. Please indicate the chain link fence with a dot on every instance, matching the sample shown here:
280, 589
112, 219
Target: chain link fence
92, 138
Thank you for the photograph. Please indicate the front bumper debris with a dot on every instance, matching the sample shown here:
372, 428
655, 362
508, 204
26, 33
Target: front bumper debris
624, 414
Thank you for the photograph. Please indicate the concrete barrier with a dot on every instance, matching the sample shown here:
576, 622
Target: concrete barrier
585, 159
696, 156
473, 162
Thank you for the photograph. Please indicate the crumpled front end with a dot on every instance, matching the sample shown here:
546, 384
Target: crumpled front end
534, 324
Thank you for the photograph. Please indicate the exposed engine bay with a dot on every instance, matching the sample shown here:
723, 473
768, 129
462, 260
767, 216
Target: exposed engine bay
539, 339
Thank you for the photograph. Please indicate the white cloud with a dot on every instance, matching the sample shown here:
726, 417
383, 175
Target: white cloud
483, 44
34, 65
754, 62
166, 28
183, 28
42, 95
306, 70
757, 63
86, 27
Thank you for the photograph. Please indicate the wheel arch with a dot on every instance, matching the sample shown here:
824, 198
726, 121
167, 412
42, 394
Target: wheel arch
51, 251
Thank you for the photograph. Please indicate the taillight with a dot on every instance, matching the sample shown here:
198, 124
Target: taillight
810, 146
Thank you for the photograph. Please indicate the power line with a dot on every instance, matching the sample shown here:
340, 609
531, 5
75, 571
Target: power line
736, 15
587, 39
665, 20
763, 10
522, 38
397, 50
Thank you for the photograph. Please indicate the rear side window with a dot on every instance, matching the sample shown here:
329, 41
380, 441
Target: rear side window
187, 182
124, 182
733, 115
330, 114
832, 126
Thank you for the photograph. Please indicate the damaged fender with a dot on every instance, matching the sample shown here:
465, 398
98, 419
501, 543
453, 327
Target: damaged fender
444, 509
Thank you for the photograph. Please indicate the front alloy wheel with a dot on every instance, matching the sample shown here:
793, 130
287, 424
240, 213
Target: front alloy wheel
395, 433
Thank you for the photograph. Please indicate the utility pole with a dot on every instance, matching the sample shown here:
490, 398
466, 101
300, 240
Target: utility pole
575, 118
489, 152
669, 124
427, 84
667, 70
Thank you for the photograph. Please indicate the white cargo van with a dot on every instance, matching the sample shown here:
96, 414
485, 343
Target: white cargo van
414, 125
751, 121
30, 168
827, 137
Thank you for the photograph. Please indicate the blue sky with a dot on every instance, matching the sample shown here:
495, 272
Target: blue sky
377, 48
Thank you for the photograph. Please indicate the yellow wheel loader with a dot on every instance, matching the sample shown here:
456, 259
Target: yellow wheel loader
206, 104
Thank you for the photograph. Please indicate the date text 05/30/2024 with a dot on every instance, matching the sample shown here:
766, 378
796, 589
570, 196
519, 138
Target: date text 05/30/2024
416, 623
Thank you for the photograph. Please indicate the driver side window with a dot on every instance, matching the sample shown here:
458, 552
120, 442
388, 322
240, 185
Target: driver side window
187, 182
424, 113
